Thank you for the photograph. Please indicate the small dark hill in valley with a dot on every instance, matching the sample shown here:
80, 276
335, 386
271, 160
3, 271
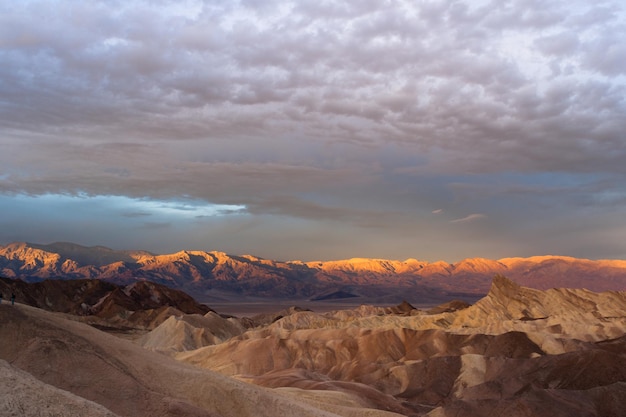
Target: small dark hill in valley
448, 307
336, 295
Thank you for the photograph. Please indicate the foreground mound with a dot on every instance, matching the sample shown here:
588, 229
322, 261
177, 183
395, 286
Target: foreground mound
122, 378
25, 396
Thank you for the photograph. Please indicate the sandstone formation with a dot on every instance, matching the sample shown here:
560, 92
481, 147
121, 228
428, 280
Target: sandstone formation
53, 359
24, 395
516, 349
191, 331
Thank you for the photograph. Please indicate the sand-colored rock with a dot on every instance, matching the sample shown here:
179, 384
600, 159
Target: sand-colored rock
515, 347
516, 352
126, 378
22, 395
570, 313
190, 332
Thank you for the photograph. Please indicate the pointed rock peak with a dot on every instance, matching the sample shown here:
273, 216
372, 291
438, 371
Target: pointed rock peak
502, 281
413, 261
515, 298
501, 285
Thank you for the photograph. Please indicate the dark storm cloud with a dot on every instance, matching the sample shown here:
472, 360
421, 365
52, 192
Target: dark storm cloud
366, 113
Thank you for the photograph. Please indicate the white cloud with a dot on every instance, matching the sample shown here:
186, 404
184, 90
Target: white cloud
469, 218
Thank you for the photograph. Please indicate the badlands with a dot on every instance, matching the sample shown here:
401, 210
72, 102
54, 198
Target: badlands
516, 352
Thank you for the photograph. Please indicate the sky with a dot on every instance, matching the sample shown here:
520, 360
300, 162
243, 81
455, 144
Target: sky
316, 130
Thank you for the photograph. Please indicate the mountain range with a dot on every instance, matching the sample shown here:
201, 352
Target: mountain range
211, 275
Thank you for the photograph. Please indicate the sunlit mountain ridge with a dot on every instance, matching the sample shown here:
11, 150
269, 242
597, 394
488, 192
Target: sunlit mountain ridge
201, 272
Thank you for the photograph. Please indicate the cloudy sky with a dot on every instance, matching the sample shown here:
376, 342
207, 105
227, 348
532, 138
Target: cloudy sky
316, 129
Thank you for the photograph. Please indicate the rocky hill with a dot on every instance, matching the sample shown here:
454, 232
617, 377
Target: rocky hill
140, 305
206, 273
517, 352
53, 366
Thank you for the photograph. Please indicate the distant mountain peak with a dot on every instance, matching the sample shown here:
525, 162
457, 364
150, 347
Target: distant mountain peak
85, 255
201, 272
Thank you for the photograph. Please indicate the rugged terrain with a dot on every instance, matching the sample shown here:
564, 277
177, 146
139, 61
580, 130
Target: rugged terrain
140, 305
518, 351
64, 367
213, 276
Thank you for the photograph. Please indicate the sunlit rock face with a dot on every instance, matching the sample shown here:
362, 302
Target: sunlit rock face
367, 280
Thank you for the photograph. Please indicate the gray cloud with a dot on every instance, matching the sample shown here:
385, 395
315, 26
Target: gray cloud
322, 112
136, 214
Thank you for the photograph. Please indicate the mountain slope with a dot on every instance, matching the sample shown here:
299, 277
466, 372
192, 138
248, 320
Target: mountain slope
202, 273
18, 399
141, 305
